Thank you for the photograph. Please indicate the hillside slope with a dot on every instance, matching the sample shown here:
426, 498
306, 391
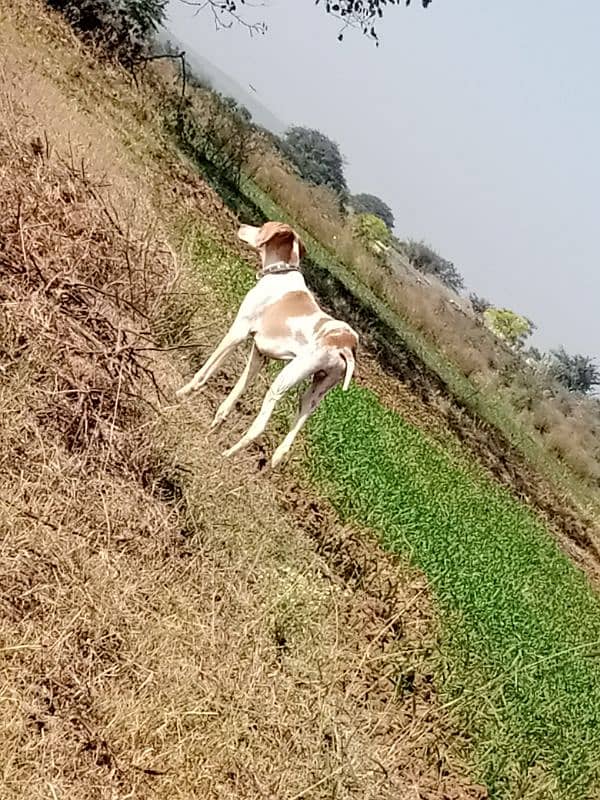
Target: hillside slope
177, 625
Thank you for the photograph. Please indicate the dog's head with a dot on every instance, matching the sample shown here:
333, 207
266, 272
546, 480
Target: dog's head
275, 240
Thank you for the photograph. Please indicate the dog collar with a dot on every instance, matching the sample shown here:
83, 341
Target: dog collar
276, 268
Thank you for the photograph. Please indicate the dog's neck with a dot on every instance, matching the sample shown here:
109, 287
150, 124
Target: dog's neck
277, 268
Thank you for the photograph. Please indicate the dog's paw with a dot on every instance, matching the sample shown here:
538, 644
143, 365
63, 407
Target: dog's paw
277, 459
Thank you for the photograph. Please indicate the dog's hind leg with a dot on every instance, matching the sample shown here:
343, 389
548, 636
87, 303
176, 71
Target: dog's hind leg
294, 372
308, 405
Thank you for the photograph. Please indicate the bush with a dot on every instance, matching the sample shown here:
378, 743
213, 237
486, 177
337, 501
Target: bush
371, 204
480, 304
372, 231
576, 372
508, 325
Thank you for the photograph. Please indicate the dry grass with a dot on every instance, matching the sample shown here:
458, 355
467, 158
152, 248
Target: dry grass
172, 626
316, 208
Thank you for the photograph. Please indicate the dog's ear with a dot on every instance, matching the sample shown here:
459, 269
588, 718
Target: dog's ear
270, 230
250, 235
297, 252
285, 238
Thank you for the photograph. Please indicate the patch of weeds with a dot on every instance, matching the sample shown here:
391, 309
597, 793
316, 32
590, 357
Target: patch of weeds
298, 609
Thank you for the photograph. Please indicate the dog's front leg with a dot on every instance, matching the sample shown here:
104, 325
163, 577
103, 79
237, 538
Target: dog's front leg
255, 362
236, 334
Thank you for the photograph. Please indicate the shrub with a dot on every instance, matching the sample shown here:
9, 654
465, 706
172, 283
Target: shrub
508, 325
577, 373
371, 204
372, 232
425, 259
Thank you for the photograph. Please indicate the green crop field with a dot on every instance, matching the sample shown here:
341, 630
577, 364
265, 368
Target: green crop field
521, 628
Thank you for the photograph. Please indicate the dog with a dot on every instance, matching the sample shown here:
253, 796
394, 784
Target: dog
286, 323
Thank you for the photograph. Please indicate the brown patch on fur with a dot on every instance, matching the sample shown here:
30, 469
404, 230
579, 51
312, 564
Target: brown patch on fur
271, 229
274, 319
342, 339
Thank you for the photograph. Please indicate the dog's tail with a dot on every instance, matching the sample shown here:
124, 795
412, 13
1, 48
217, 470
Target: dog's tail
348, 357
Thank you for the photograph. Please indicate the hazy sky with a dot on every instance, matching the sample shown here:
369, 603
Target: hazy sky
477, 121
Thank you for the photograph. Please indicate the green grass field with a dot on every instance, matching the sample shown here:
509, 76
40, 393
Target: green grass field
521, 628
520, 637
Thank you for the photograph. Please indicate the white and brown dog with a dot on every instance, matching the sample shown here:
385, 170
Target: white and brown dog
286, 323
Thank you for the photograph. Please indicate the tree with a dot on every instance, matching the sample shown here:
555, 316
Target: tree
371, 204
425, 259
360, 14
317, 158
577, 373
124, 28
508, 325
534, 354
480, 304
